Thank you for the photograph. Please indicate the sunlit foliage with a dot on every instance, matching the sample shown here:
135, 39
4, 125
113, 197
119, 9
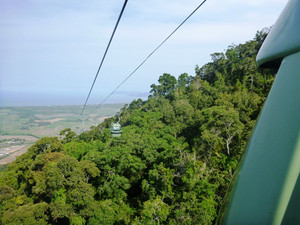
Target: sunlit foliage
172, 165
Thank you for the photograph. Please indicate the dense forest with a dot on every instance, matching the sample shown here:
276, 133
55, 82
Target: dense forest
172, 165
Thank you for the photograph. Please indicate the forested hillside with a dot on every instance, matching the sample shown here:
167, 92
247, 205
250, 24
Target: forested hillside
172, 165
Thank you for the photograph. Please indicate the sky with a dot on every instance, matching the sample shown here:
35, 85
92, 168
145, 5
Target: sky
50, 50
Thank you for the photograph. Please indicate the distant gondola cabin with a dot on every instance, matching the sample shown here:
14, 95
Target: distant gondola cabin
115, 130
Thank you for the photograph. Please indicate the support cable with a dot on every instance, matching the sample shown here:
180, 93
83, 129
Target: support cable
113, 33
148, 56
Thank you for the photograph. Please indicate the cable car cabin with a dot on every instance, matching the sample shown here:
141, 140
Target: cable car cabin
115, 130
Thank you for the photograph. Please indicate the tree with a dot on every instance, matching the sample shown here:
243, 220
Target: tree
221, 125
27, 214
167, 85
184, 80
45, 145
154, 212
69, 135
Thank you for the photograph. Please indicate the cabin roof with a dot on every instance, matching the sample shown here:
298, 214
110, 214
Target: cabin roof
283, 39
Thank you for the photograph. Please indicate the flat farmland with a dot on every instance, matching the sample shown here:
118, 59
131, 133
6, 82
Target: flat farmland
50, 120
20, 127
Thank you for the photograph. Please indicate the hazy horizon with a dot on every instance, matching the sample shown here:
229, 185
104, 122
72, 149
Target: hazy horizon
19, 99
50, 50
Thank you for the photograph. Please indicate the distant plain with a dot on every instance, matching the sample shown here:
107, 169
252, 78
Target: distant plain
20, 127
